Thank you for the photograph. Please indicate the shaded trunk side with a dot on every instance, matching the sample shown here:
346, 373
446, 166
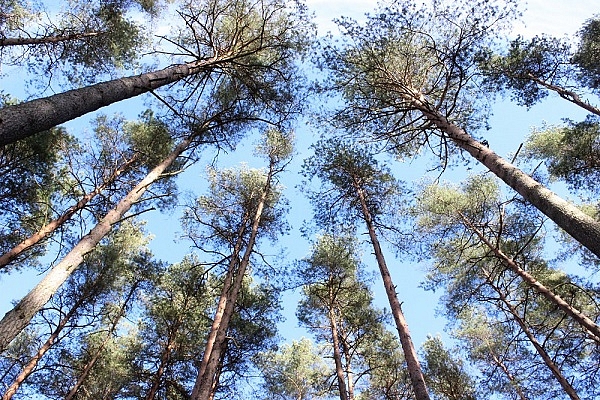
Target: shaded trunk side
337, 356
19, 317
414, 367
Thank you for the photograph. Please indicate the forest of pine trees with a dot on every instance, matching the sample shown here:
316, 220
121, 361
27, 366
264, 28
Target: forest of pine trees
186, 184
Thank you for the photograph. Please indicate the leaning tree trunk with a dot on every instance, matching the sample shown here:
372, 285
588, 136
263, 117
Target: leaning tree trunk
414, 367
53, 225
19, 317
26, 41
564, 383
567, 216
591, 328
26, 119
29, 368
208, 368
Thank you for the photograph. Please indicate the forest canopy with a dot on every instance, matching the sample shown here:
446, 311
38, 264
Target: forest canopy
219, 199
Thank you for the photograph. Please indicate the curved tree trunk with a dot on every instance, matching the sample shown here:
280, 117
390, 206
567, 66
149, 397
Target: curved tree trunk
414, 367
53, 225
19, 317
203, 387
567, 216
592, 329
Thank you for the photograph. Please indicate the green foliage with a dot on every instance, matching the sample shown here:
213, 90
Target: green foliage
571, 152
445, 375
296, 372
405, 55
344, 169
30, 178
545, 58
587, 53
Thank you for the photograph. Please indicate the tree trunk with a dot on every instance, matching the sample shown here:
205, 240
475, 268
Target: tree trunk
567, 216
208, 368
164, 360
29, 368
19, 317
414, 368
25, 119
532, 339
24, 41
592, 329
337, 357
509, 375
49, 228
566, 94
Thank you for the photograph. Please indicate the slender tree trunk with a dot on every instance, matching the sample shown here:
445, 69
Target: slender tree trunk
222, 305
19, 317
25, 119
164, 361
566, 94
509, 375
591, 328
206, 374
567, 216
53, 225
533, 340
348, 357
414, 367
24, 41
88, 367
29, 368
337, 357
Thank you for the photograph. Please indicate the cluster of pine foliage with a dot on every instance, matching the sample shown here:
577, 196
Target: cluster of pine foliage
111, 319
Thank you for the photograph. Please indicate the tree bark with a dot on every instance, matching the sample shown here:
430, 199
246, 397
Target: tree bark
592, 329
567, 216
24, 41
566, 94
29, 368
19, 317
337, 357
53, 225
532, 339
25, 119
203, 387
414, 367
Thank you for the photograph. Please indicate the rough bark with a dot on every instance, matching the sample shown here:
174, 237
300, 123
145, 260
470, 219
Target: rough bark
25, 41
53, 225
567, 216
564, 383
25, 119
414, 367
203, 387
19, 317
592, 329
